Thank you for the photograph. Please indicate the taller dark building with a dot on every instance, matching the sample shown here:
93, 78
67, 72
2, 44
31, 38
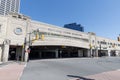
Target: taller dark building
74, 26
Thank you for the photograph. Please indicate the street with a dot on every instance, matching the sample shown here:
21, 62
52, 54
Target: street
69, 68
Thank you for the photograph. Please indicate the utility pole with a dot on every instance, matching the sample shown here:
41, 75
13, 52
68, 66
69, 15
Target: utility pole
23, 50
100, 49
90, 44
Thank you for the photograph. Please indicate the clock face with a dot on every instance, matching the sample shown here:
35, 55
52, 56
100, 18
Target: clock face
18, 31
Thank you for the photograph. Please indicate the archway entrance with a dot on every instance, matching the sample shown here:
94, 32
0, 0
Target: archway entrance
12, 53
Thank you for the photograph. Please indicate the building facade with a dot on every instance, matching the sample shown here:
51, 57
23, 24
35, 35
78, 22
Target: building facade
19, 32
74, 26
7, 6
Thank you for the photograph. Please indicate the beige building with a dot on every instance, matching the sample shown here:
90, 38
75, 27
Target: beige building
19, 32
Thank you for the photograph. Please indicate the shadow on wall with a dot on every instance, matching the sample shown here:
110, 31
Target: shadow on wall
79, 77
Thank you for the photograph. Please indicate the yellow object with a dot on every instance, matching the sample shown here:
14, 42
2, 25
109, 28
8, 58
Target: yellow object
23, 46
37, 36
63, 46
90, 45
33, 40
42, 37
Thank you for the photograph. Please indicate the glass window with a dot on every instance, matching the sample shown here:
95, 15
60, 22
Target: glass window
18, 31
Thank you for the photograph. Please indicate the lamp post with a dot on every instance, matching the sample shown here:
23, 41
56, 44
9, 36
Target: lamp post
26, 45
23, 50
90, 50
100, 49
90, 45
30, 41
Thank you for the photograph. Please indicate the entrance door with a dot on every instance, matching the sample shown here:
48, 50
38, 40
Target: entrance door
12, 54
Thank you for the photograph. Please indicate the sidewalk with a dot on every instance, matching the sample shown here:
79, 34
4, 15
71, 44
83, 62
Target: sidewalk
0, 63
110, 75
11, 71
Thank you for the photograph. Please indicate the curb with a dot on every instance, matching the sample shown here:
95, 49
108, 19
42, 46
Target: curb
25, 64
75, 79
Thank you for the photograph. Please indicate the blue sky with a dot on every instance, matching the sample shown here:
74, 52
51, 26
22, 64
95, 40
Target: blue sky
99, 16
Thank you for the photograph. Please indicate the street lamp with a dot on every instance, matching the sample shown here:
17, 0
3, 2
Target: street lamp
90, 49
29, 42
100, 49
23, 50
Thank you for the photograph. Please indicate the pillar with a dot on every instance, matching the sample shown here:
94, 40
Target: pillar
91, 52
0, 53
88, 53
80, 53
60, 53
109, 53
5, 52
117, 53
40, 54
56, 53
96, 53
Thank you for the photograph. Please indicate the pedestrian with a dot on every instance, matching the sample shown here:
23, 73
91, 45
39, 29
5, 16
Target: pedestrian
28, 52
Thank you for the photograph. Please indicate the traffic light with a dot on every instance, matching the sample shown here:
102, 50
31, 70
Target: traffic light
90, 45
37, 36
42, 37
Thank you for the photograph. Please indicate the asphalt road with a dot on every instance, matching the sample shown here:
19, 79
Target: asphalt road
65, 69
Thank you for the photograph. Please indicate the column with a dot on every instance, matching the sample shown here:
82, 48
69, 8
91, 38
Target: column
56, 53
40, 54
109, 53
60, 53
88, 53
80, 53
0, 53
117, 53
96, 53
5, 52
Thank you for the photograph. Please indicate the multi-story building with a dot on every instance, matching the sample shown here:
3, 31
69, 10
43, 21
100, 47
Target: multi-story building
7, 6
18, 33
74, 26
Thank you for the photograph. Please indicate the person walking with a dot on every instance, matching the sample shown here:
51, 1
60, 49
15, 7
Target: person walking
28, 51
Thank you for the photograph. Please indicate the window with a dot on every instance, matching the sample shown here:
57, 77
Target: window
18, 31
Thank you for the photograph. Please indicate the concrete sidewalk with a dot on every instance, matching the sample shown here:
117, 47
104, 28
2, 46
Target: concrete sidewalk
110, 75
11, 71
